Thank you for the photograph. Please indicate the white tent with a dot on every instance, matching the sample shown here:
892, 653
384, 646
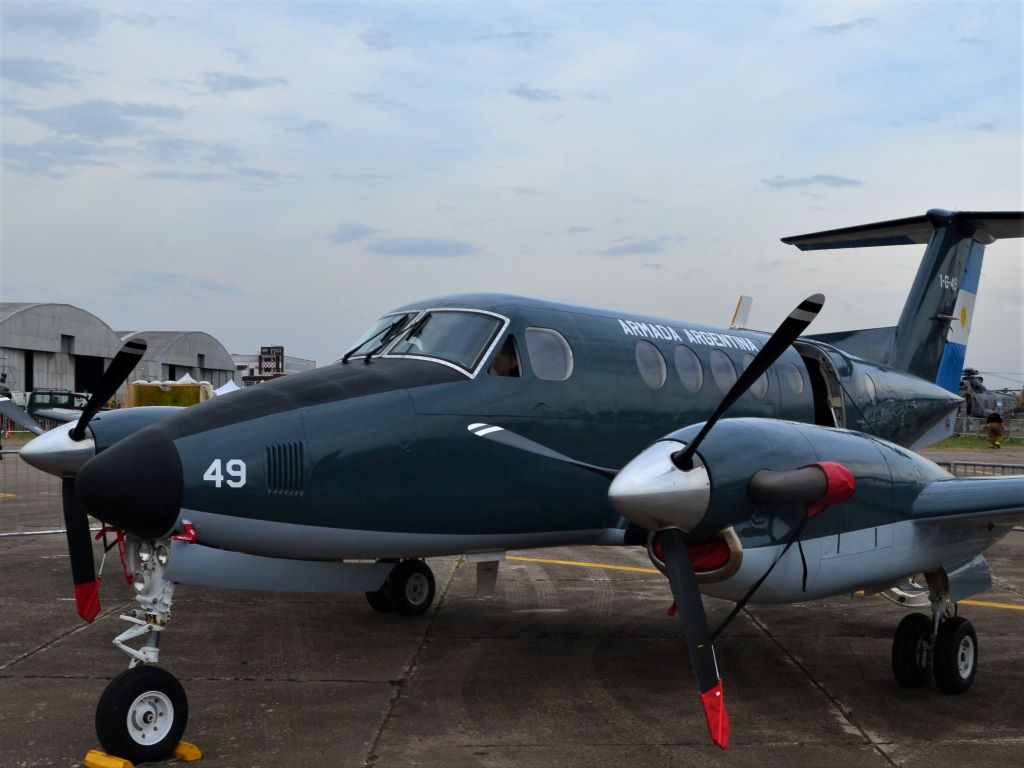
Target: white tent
187, 379
229, 387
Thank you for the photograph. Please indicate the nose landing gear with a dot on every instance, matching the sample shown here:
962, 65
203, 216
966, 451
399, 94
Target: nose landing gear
143, 712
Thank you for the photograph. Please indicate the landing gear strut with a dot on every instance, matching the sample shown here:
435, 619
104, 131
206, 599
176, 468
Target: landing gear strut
942, 645
143, 712
408, 591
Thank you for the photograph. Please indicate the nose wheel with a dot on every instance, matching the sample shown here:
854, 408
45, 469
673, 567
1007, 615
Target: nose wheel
142, 715
408, 591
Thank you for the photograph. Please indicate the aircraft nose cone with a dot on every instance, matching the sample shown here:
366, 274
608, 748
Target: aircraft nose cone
653, 493
136, 484
56, 453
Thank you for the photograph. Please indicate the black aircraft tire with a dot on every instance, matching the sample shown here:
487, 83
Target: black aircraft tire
956, 655
411, 586
907, 668
380, 600
142, 715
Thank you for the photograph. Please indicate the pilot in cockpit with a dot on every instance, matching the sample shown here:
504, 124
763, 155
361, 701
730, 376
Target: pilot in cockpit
506, 362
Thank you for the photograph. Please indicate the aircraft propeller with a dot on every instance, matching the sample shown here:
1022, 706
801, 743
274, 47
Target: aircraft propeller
63, 451
667, 489
790, 330
9, 409
511, 439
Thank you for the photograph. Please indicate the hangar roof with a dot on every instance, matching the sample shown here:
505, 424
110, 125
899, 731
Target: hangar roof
40, 326
182, 348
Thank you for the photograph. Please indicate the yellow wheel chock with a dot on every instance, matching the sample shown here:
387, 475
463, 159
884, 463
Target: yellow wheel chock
185, 751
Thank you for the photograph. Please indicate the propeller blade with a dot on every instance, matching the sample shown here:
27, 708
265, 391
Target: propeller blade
10, 410
118, 370
511, 439
786, 334
83, 568
698, 637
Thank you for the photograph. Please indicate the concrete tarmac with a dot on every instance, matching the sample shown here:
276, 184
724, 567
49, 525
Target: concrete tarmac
566, 665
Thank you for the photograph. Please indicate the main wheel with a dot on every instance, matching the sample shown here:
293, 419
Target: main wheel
380, 600
911, 664
411, 587
956, 655
142, 715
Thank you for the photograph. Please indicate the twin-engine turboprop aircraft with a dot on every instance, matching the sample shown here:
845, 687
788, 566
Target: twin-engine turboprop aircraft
404, 450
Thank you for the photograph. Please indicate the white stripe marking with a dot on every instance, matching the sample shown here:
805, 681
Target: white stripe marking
488, 431
475, 427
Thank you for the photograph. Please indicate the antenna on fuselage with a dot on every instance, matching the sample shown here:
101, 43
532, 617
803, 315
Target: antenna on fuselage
741, 314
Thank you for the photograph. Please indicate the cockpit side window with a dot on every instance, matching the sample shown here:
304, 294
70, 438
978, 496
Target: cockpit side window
550, 354
380, 333
506, 362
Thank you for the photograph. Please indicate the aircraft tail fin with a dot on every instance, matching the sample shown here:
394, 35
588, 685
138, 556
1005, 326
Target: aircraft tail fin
930, 339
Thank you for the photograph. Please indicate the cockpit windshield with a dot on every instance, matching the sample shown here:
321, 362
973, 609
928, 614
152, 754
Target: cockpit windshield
458, 336
380, 334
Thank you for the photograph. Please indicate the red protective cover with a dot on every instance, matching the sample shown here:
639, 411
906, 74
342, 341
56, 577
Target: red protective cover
713, 701
841, 486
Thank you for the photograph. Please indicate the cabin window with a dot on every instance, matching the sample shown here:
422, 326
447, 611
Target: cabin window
456, 336
506, 362
688, 368
794, 378
723, 370
651, 363
550, 354
759, 387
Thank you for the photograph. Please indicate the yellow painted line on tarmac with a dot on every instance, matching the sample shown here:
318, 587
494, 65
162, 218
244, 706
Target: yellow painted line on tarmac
7, 495
604, 566
635, 569
987, 604
982, 603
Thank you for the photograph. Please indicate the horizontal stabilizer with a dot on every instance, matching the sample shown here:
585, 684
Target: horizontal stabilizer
988, 227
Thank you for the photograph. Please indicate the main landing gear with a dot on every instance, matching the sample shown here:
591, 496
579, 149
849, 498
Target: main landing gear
408, 590
143, 712
942, 646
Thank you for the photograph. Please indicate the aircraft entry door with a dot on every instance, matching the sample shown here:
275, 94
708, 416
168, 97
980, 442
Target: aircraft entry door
825, 387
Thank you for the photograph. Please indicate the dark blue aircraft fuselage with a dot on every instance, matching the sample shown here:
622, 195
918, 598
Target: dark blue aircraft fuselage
365, 457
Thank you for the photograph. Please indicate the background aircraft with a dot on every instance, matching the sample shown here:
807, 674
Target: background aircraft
401, 451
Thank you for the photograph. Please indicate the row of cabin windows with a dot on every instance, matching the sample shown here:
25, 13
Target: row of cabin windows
552, 360
690, 370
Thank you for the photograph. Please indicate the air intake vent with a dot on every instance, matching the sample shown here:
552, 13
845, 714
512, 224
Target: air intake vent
285, 473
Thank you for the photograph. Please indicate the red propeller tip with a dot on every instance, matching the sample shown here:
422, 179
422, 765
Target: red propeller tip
87, 599
713, 701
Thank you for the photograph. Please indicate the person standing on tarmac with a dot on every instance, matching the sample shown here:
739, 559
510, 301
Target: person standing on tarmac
994, 429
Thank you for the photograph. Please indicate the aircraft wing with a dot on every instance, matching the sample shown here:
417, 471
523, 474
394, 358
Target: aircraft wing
995, 501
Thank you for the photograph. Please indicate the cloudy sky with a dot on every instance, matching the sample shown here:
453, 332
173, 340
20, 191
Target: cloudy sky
283, 173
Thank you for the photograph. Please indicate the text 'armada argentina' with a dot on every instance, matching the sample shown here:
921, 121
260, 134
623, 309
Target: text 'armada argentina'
706, 338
